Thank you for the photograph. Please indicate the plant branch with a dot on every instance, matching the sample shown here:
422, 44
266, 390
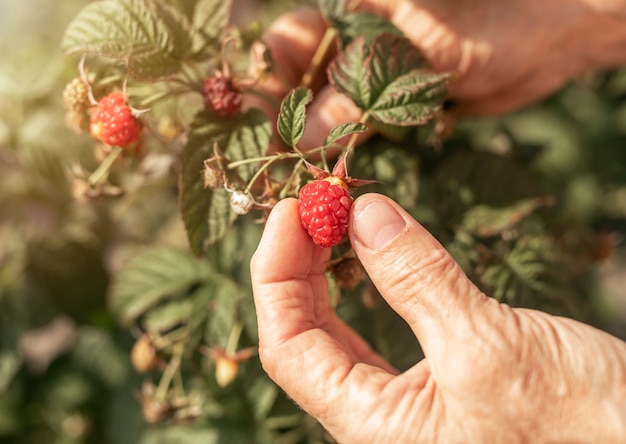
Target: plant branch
318, 57
98, 176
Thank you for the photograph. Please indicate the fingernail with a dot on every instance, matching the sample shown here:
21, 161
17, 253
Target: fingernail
377, 224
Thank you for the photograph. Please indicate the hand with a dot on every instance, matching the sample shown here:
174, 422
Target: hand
492, 373
507, 53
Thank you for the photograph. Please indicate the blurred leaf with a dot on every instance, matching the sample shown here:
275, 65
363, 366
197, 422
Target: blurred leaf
530, 270
223, 312
10, 363
202, 303
345, 129
388, 80
485, 220
396, 169
361, 24
181, 435
292, 115
11, 416
247, 313
207, 214
168, 315
152, 37
96, 352
152, 276
331, 8
470, 178
262, 393
394, 133
66, 391
210, 18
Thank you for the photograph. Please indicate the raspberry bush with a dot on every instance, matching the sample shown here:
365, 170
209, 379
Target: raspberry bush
125, 248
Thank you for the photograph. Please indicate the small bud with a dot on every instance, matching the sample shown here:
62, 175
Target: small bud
212, 174
226, 370
169, 128
143, 355
154, 411
348, 273
76, 95
241, 202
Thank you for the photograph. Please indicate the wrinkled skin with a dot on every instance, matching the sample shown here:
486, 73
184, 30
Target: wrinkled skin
491, 373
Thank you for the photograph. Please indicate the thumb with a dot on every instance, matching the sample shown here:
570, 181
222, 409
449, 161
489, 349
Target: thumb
414, 273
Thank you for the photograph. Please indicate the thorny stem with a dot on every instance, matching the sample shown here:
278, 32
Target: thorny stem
169, 373
161, 95
287, 185
273, 101
171, 338
260, 171
318, 57
102, 171
353, 138
85, 78
279, 156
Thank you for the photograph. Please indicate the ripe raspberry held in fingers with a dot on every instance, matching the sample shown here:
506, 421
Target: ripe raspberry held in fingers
324, 204
112, 121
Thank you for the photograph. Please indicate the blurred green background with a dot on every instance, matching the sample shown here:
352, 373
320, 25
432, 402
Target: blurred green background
65, 373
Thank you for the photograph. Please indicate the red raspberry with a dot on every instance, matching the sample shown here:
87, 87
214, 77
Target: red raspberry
324, 206
113, 122
221, 97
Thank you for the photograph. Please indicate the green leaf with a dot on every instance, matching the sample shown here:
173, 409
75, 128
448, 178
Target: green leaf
396, 170
202, 302
151, 37
210, 18
153, 276
291, 119
10, 363
169, 315
485, 220
471, 178
250, 139
97, 353
411, 99
223, 313
530, 270
348, 73
388, 80
207, 213
331, 8
361, 24
262, 394
343, 130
